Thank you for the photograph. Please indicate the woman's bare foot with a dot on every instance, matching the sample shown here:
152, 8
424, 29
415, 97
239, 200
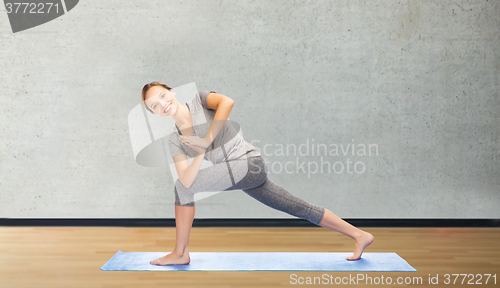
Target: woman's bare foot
362, 242
172, 259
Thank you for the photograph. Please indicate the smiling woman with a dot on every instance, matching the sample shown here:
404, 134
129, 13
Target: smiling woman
155, 100
202, 132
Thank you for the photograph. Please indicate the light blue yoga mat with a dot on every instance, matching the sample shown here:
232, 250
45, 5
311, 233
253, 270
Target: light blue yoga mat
261, 261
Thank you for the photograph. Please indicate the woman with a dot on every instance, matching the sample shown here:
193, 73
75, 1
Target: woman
237, 165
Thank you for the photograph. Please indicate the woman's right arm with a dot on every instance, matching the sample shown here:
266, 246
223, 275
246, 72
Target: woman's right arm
188, 172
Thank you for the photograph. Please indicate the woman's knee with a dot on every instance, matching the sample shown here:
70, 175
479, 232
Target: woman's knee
183, 197
179, 185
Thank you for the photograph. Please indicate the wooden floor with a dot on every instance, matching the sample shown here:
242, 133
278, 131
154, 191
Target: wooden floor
72, 256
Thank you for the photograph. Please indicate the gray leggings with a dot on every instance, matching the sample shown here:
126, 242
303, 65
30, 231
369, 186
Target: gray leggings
250, 175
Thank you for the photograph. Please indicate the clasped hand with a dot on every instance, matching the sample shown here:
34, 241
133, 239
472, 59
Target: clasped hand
197, 143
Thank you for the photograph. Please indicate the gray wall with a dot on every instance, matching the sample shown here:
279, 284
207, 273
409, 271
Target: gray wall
418, 79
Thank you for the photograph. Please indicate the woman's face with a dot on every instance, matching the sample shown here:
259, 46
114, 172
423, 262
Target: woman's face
161, 101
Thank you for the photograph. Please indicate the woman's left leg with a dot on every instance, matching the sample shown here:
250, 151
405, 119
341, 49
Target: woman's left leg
277, 197
258, 186
362, 238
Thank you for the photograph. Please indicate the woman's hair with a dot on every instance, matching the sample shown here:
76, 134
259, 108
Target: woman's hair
147, 87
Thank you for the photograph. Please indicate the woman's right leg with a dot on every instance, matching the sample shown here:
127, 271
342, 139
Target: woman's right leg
218, 177
184, 216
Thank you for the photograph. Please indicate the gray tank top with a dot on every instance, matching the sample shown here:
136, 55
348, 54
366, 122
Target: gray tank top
227, 146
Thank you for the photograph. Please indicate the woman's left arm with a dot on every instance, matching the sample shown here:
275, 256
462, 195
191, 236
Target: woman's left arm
223, 105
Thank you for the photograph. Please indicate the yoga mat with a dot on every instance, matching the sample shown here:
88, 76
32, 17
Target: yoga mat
261, 261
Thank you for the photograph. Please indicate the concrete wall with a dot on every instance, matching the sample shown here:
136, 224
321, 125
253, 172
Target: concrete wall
419, 80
